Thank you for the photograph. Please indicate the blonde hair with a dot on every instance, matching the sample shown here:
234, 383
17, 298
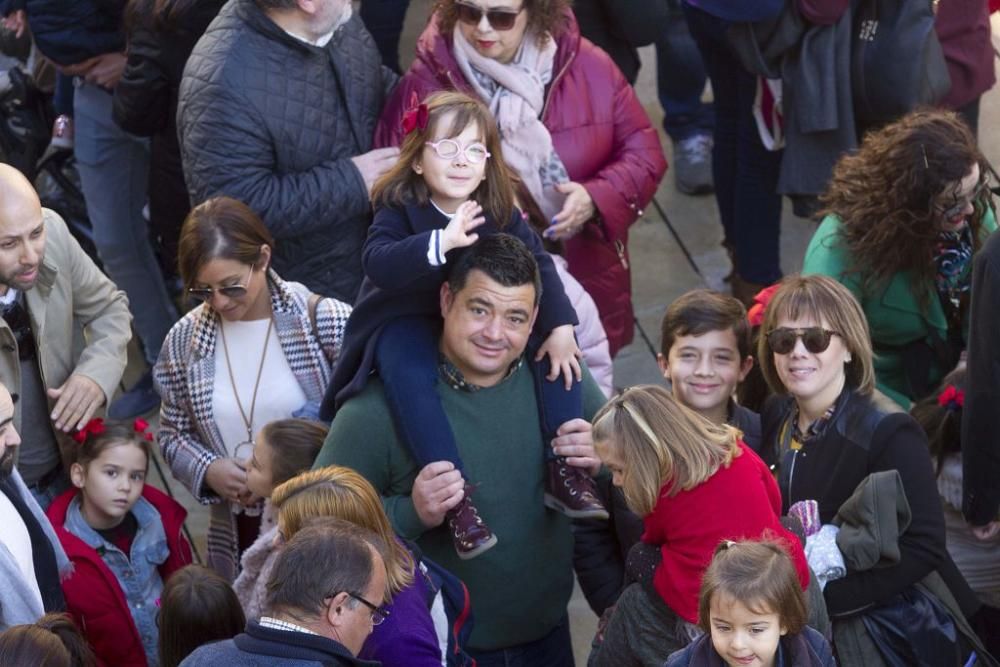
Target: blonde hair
342, 493
663, 444
820, 298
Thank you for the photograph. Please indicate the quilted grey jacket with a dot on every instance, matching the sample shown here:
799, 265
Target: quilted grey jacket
273, 121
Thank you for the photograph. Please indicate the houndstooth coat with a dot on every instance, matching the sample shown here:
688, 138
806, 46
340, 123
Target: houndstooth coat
185, 377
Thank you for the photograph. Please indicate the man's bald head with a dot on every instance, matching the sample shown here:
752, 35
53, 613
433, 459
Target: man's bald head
22, 231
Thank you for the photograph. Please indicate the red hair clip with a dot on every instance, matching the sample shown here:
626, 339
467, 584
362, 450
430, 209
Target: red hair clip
952, 398
140, 425
756, 313
93, 427
415, 116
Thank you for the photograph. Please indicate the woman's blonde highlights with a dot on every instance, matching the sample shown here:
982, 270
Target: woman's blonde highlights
342, 493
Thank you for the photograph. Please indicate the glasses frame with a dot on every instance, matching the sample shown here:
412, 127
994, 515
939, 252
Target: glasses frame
379, 614
954, 211
500, 20
803, 334
459, 150
206, 294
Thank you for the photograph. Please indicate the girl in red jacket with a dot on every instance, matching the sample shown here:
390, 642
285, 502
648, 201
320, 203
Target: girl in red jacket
695, 484
123, 538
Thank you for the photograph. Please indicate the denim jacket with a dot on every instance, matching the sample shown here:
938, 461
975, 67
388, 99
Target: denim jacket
137, 573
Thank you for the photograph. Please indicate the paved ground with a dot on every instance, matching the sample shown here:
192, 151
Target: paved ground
660, 270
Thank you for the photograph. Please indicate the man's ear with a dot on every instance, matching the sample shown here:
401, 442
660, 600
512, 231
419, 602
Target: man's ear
745, 368
77, 475
447, 298
335, 612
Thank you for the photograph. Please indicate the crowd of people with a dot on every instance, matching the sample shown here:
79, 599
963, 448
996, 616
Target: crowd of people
393, 385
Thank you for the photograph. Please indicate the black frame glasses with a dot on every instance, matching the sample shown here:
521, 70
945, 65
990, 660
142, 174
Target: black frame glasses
815, 339
499, 19
956, 210
379, 614
229, 291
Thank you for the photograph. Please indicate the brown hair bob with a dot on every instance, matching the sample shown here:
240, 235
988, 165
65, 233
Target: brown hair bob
51, 641
197, 606
220, 228
761, 576
820, 298
545, 17
890, 193
401, 185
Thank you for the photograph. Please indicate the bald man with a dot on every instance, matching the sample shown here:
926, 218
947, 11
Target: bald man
62, 335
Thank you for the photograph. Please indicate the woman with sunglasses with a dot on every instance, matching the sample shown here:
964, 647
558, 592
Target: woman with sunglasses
571, 127
824, 433
905, 215
256, 350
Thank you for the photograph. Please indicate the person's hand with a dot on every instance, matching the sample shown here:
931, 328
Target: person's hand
228, 479
987, 532
76, 400
374, 163
106, 70
575, 441
16, 21
248, 498
564, 355
458, 233
438, 488
78, 69
576, 211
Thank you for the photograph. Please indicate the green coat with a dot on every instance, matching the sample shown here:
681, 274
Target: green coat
895, 316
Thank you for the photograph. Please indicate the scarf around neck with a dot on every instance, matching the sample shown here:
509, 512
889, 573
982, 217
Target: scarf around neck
515, 94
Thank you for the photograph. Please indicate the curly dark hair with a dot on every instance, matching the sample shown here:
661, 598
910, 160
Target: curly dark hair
544, 17
888, 195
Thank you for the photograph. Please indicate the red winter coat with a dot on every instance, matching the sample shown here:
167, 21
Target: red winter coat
93, 595
601, 133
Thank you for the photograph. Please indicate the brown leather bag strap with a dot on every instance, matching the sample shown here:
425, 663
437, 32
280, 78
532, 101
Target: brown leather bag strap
314, 300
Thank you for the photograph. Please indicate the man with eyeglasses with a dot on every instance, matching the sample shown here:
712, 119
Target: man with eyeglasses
324, 596
277, 108
63, 335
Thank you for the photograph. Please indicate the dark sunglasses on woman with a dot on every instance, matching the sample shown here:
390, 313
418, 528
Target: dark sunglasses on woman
500, 19
816, 339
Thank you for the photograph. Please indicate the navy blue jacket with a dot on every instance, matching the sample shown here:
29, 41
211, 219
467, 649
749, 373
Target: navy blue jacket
71, 31
267, 647
400, 281
805, 649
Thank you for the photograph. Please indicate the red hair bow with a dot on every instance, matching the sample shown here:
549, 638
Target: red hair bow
951, 398
93, 427
416, 116
756, 313
140, 425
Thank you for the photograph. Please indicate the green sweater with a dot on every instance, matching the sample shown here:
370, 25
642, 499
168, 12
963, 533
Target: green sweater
519, 588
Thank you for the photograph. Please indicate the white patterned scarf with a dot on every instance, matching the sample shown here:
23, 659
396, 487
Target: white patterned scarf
515, 94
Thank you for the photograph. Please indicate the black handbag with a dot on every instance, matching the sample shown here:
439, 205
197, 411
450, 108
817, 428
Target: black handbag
896, 61
913, 629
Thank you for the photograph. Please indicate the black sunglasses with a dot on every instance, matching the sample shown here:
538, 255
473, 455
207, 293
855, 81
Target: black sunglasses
500, 19
229, 291
816, 339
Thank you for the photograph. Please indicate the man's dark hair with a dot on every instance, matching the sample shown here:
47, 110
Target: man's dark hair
327, 557
277, 4
699, 311
503, 258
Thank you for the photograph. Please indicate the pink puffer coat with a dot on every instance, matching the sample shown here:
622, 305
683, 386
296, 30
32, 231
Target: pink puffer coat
604, 138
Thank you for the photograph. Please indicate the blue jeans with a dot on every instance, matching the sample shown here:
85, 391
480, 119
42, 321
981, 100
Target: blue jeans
406, 356
745, 173
384, 20
553, 650
680, 80
114, 173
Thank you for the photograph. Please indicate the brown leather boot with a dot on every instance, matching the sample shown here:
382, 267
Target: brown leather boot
469, 532
571, 490
744, 291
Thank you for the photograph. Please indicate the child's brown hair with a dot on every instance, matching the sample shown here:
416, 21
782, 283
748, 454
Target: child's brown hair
401, 185
295, 444
99, 435
761, 576
940, 416
197, 606
699, 311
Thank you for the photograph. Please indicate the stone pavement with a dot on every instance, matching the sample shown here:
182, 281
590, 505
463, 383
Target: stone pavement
660, 270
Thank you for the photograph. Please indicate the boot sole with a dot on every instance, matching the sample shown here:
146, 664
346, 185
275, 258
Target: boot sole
481, 549
555, 504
